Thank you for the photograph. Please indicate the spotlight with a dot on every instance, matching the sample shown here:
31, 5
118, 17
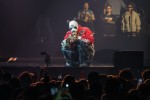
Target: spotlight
8, 60
12, 59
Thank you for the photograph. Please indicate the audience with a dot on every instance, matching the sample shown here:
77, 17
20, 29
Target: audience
95, 87
133, 94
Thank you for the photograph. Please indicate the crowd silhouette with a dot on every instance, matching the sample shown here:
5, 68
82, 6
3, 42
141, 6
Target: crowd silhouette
97, 86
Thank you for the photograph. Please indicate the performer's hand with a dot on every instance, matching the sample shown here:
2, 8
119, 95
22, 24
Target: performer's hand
85, 40
71, 39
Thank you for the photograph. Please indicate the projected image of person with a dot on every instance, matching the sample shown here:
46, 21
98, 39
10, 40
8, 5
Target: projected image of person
108, 20
131, 24
78, 45
86, 17
118, 8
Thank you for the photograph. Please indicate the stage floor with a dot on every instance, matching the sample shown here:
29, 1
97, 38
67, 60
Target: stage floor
54, 62
56, 67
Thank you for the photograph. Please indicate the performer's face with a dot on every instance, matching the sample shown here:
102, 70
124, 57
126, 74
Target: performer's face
73, 26
73, 29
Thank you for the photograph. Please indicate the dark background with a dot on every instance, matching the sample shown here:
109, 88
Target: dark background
28, 27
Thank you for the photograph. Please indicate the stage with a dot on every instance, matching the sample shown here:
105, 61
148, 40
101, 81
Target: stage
56, 67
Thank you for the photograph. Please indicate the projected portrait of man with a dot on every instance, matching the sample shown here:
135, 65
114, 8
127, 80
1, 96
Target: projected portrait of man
86, 17
131, 24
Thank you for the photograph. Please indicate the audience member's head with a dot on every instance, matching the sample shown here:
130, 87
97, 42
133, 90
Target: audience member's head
126, 74
93, 77
68, 79
147, 81
112, 86
77, 91
133, 94
125, 86
84, 82
32, 93
47, 78
144, 90
103, 79
25, 79
146, 74
96, 89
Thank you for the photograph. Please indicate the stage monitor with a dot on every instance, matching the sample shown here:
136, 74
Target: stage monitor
128, 59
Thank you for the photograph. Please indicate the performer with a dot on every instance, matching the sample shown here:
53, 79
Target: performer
78, 45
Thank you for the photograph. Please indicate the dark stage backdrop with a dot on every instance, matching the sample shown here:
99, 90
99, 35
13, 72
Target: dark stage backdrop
28, 27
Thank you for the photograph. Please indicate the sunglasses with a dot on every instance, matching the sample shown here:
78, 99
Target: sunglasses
73, 28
